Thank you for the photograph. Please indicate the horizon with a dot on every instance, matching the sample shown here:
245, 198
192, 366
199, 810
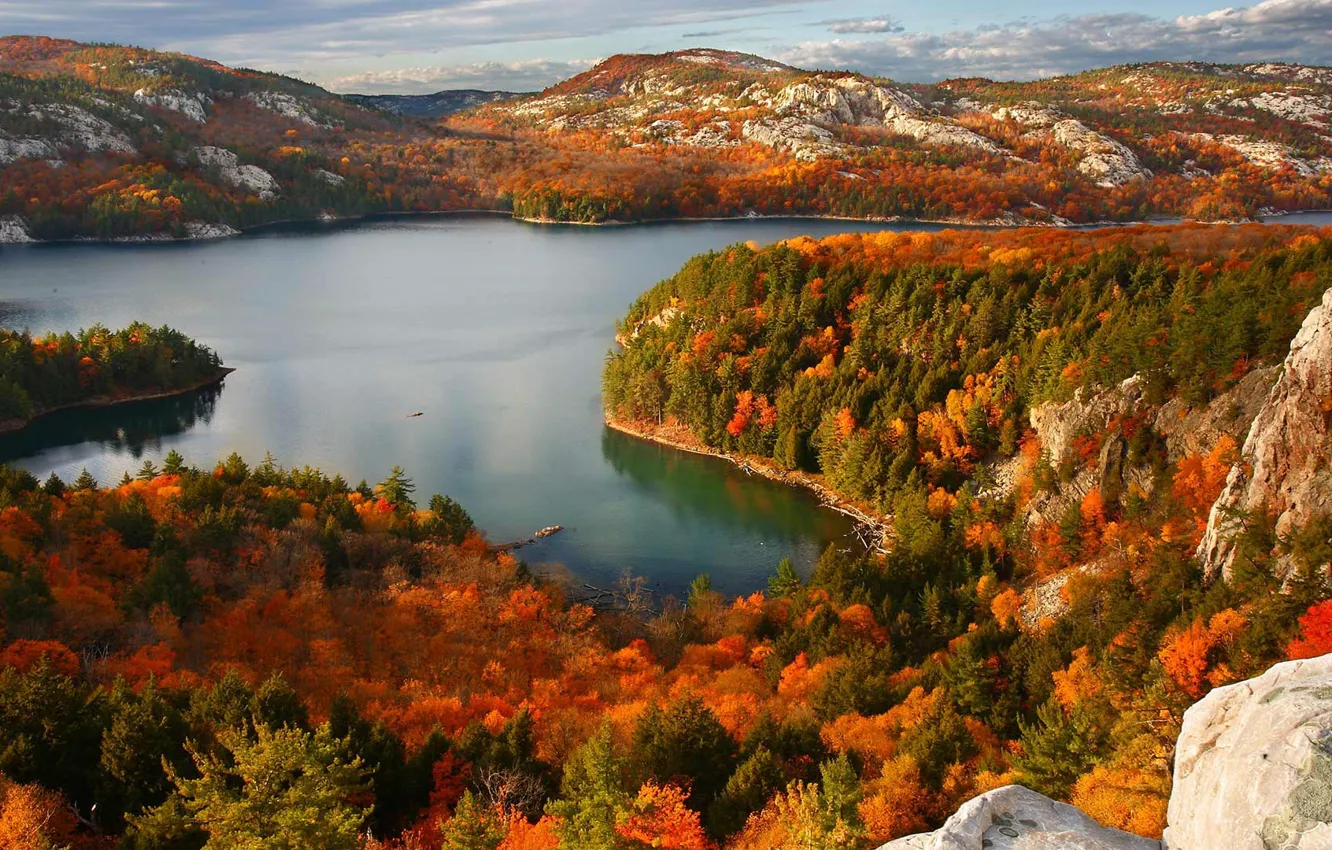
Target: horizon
425, 46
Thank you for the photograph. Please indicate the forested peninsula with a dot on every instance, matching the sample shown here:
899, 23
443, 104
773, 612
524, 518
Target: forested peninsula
1049, 418
97, 367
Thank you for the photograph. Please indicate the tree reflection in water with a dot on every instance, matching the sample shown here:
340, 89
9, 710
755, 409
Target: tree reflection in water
128, 428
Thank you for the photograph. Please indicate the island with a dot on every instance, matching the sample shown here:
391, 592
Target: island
97, 367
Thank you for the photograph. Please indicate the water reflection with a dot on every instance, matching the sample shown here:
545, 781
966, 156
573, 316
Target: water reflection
133, 428
697, 488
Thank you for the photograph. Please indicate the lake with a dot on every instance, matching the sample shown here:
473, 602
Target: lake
495, 330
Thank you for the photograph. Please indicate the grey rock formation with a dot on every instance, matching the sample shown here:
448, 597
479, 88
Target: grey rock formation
1253, 767
1253, 771
1283, 467
1017, 818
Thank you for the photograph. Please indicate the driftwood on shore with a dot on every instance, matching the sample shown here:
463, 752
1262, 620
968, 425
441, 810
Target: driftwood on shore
548, 531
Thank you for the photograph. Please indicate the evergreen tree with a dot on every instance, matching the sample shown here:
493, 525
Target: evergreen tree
786, 581
684, 740
286, 790
592, 795
85, 482
173, 463
397, 490
474, 826
1058, 748
278, 706
747, 791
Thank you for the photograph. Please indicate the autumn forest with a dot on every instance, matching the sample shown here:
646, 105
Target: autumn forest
1034, 429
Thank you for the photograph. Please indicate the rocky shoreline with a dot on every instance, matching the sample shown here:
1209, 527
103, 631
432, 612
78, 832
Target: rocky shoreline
875, 531
13, 426
14, 231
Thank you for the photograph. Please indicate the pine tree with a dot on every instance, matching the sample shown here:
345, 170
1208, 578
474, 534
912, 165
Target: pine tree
85, 482
592, 795
786, 582
397, 490
173, 463
286, 789
1058, 748
747, 791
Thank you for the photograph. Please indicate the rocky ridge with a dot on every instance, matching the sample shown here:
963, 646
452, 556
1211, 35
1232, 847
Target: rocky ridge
1283, 468
820, 115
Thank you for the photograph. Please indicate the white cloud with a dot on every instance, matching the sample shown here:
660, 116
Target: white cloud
1273, 30
307, 32
845, 26
531, 75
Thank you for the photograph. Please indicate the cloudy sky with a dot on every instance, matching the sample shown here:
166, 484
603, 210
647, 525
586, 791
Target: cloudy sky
425, 45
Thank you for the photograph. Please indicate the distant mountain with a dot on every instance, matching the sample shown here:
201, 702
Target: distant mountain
437, 105
113, 142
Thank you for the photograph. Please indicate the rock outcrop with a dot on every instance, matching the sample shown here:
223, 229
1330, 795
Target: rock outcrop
1253, 771
250, 178
1253, 767
192, 105
1283, 467
1017, 818
13, 230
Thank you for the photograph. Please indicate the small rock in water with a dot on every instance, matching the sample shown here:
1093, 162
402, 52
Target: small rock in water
548, 531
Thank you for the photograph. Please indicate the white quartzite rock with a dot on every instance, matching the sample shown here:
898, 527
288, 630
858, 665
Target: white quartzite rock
13, 231
1283, 467
1017, 818
1253, 768
251, 178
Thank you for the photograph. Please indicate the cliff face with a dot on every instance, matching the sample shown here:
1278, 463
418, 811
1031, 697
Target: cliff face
1285, 467
1253, 771
1185, 430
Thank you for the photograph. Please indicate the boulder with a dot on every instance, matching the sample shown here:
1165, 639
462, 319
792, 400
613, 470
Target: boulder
1017, 818
1253, 767
1283, 466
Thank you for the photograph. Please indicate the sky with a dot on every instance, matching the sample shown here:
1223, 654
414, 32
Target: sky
419, 46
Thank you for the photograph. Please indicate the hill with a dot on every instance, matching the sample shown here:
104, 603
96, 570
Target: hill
437, 105
121, 142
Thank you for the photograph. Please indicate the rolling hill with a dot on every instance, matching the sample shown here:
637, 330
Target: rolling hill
121, 142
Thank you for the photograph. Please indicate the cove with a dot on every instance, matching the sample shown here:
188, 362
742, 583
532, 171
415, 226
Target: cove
495, 330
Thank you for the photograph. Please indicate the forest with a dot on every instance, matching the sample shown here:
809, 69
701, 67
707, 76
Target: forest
119, 142
246, 655
43, 373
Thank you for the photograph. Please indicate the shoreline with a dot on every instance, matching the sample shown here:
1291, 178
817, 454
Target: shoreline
1272, 216
14, 426
869, 525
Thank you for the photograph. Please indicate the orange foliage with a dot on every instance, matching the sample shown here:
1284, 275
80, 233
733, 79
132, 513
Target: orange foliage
1190, 657
659, 817
1315, 636
33, 818
1006, 606
896, 803
1077, 683
23, 655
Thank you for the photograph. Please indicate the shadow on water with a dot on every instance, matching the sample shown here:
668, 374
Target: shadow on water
129, 428
698, 487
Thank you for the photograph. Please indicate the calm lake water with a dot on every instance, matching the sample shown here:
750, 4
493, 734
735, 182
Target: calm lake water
494, 329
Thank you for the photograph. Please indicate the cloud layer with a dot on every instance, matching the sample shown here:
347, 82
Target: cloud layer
1274, 30
303, 32
326, 38
844, 26
532, 75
